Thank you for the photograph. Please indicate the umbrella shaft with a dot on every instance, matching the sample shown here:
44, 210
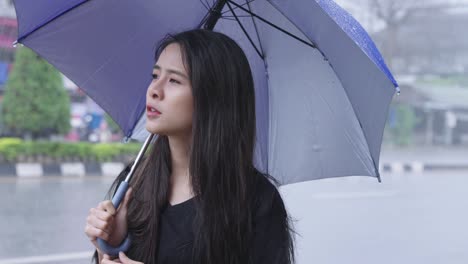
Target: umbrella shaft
215, 14
139, 156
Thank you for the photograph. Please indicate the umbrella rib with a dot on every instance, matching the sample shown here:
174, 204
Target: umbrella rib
208, 4
212, 16
233, 16
20, 39
204, 4
266, 77
272, 25
245, 31
255, 26
208, 13
236, 7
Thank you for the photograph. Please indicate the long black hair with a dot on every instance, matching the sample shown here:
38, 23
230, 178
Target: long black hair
222, 174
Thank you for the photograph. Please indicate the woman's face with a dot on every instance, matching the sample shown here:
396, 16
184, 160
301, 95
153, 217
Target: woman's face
170, 94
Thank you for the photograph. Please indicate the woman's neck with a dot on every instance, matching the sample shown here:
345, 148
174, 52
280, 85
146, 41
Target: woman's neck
180, 147
181, 188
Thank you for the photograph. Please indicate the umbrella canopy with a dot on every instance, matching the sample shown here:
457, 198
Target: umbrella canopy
322, 88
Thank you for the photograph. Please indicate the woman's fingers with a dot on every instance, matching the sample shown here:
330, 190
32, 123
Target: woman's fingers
107, 227
100, 224
101, 214
103, 222
107, 206
125, 260
93, 233
106, 260
95, 218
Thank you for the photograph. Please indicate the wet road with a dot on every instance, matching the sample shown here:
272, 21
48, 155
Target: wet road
406, 219
46, 216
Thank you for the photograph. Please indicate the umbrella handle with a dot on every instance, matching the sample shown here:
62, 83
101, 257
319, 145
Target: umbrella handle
106, 248
118, 197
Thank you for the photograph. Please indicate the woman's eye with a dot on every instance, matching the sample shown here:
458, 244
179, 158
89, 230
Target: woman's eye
154, 76
174, 81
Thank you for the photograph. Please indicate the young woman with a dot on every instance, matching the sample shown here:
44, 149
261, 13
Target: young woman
197, 197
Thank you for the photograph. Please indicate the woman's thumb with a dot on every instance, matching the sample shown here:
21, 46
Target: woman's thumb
124, 259
127, 198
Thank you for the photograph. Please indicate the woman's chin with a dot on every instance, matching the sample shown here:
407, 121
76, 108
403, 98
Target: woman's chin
154, 130
167, 130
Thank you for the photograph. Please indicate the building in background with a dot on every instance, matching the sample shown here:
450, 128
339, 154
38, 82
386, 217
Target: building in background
441, 111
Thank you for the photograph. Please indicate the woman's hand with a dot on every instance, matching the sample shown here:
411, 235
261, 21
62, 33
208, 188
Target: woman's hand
108, 224
122, 259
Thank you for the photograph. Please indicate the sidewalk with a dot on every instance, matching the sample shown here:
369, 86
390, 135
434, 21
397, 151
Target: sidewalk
72, 169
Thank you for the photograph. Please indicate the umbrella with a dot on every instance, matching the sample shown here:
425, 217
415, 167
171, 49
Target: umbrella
322, 87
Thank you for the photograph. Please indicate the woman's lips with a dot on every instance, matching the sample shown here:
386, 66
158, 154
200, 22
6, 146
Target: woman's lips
151, 113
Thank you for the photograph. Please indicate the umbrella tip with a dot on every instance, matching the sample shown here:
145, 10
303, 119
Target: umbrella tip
16, 43
126, 139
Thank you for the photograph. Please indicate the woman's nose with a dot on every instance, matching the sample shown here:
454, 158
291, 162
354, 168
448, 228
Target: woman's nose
156, 92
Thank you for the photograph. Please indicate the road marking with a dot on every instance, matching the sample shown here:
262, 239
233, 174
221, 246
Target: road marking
49, 258
73, 169
398, 168
29, 170
418, 167
111, 168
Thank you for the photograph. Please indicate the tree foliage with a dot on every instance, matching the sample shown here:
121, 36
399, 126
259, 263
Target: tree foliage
35, 103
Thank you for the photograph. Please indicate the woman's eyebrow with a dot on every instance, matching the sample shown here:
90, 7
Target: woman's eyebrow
157, 67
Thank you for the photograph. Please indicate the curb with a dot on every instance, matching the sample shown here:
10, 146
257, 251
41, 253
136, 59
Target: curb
80, 169
68, 169
420, 167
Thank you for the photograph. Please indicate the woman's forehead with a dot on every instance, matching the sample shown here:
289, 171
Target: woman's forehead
170, 59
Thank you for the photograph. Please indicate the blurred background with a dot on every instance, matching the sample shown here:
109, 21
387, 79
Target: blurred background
418, 214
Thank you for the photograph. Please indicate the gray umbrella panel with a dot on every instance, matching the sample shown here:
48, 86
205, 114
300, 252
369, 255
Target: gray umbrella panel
307, 125
313, 130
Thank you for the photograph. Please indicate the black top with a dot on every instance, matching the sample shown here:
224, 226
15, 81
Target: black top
176, 234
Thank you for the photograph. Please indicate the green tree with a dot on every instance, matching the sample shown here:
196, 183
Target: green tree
36, 103
404, 127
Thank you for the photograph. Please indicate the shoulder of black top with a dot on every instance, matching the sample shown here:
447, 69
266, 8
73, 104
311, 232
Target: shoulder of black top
267, 196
